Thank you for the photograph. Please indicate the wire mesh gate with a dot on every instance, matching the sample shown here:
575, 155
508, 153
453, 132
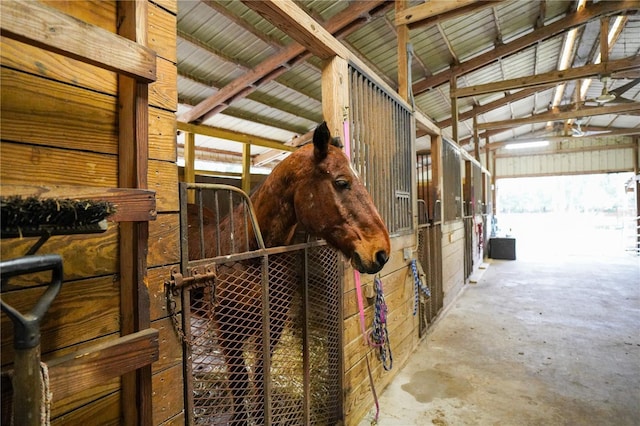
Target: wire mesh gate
430, 256
243, 296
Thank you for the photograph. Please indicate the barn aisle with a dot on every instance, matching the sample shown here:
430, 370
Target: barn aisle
544, 340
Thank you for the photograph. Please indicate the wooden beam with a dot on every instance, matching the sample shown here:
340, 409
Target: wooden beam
562, 25
94, 366
481, 109
423, 123
430, 11
617, 132
562, 115
294, 22
277, 63
216, 132
590, 70
42, 26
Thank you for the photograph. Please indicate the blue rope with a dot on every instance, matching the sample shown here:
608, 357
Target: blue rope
418, 286
379, 332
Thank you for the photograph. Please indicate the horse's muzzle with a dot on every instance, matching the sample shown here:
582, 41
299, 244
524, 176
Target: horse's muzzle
381, 257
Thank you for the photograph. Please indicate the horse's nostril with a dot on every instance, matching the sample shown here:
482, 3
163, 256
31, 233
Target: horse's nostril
382, 257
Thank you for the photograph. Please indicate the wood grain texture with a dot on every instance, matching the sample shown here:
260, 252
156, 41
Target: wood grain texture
83, 256
83, 310
50, 29
162, 178
168, 391
156, 278
99, 363
171, 354
163, 93
164, 240
162, 33
33, 60
104, 411
40, 111
162, 135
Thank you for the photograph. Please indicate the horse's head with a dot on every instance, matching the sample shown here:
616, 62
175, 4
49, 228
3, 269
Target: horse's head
332, 203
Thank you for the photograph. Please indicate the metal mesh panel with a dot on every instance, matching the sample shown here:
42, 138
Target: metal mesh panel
288, 297
425, 311
430, 256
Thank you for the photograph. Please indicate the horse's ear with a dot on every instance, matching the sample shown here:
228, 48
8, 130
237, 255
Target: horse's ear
321, 139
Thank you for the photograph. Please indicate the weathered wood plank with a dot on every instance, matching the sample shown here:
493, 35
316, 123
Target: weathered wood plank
171, 354
45, 27
130, 204
83, 310
168, 392
30, 164
92, 366
169, 5
57, 67
162, 135
162, 178
177, 420
162, 33
104, 411
156, 283
163, 93
96, 12
84, 256
39, 111
164, 240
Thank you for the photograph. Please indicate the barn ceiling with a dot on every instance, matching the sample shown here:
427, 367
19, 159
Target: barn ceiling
525, 69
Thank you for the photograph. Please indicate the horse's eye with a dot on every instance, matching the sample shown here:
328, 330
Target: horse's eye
341, 184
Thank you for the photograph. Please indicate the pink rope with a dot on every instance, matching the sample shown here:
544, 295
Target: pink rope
356, 277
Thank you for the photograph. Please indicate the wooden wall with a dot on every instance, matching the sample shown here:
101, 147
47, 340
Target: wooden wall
60, 126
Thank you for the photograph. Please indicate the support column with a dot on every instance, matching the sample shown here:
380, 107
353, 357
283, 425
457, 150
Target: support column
189, 163
133, 154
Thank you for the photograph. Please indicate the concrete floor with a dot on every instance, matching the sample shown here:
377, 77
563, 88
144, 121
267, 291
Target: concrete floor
541, 341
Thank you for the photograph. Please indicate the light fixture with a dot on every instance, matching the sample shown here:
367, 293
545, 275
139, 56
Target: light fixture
523, 145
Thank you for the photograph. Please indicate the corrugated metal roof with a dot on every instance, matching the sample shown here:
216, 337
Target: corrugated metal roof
221, 41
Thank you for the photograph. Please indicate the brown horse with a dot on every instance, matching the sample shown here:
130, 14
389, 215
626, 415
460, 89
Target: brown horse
316, 190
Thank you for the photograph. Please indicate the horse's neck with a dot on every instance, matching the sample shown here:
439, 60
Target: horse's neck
275, 212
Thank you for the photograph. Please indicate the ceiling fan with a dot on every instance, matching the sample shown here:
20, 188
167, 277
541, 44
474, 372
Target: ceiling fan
615, 95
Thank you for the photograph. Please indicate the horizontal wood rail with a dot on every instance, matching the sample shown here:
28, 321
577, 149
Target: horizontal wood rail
94, 366
47, 28
132, 205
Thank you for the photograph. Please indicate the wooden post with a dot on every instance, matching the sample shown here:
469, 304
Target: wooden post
190, 163
403, 62
246, 167
335, 95
476, 139
454, 109
133, 101
604, 40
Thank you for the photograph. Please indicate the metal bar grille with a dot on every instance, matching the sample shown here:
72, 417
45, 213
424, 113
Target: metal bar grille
263, 339
451, 181
381, 140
